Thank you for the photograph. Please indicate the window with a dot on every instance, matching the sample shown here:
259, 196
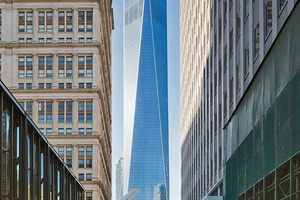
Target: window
0, 24
21, 86
89, 176
61, 85
256, 42
225, 104
48, 131
85, 154
89, 155
89, 85
21, 40
89, 131
41, 40
28, 85
27, 106
81, 157
48, 85
61, 152
48, 40
85, 111
69, 40
85, 66
81, 40
25, 66
25, 21
281, 4
81, 131
65, 21
61, 40
45, 111
65, 111
268, 17
65, 66
41, 85
69, 152
28, 40
61, 131
45, 66
81, 85
45, 21
81, 176
246, 9
69, 131
89, 195
69, 85
85, 21
89, 40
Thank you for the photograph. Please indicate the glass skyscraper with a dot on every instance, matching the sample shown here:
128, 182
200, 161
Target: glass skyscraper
146, 160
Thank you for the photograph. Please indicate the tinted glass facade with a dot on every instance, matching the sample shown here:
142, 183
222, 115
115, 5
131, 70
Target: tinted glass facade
29, 166
145, 97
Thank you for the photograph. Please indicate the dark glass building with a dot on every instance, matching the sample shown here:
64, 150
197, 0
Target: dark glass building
146, 160
29, 166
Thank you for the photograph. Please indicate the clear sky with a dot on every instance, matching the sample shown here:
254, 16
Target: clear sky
117, 93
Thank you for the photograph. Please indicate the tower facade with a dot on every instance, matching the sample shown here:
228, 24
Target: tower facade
120, 179
146, 160
223, 46
56, 58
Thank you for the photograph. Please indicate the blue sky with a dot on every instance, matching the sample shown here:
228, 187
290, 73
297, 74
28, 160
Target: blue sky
117, 93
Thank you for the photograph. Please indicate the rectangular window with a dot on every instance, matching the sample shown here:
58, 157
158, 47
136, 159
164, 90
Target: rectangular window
69, 152
65, 66
89, 176
65, 21
81, 131
231, 92
45, 66
85, 111
85, 21
65, 111
28, 85
81, 176
89, 155
61, 131
89, 195
85, 66
256, 42
231, 42
45, 111
25, 21
268, 17
69, 131
25, 66
21, 86
48, 131
61, 152
45, 21
81, 157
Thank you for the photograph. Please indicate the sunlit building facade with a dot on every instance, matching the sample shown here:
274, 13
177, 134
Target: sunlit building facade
223, 46
146, 160
56, 60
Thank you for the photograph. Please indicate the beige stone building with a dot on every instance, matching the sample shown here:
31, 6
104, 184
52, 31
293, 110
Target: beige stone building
56, 59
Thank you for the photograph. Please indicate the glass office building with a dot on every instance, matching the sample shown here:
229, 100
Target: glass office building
29, 166
146, 161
